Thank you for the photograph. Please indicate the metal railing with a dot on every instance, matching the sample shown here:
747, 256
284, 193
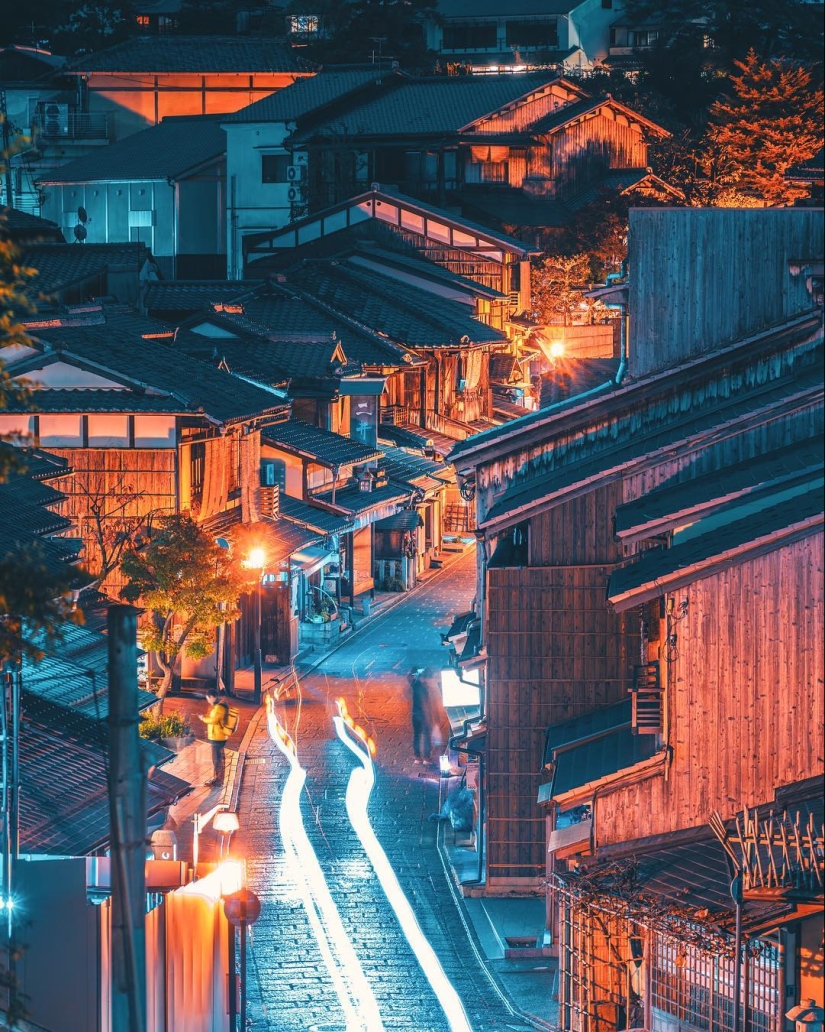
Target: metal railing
70, 125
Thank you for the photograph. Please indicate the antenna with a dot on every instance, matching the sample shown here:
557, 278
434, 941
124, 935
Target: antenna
80, 231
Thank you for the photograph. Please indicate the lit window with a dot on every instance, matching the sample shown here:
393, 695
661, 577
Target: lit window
143, 20
154, 431
108, 430
64, 431
302, 24
16, 427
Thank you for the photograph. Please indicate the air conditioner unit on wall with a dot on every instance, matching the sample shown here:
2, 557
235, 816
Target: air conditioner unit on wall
55, 119
294, 173
293, 193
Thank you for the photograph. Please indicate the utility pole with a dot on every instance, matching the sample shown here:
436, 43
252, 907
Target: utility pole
6, 156
127, 815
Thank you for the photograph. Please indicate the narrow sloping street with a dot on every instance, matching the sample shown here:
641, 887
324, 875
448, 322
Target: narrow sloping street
290, 986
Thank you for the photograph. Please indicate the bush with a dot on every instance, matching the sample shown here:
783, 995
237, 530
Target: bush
170, 725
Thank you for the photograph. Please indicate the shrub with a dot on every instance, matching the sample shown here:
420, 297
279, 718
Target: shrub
170, 725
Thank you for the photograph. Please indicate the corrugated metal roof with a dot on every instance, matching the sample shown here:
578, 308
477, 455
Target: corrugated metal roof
165, 151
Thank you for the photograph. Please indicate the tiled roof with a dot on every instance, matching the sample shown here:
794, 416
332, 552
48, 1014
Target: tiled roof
81, 400
415, 263
193, 295
410, 315
21, 225
420, 107
278, 313
164, 151
415, 470
306, 95
408, 435
781, 465
281, 538
525, 494
61, 265
273, 361
355, 501
698, 556
195, 386
605, 744
238, 55
321, 446
404, 519
311, 516
64, 799
78, 682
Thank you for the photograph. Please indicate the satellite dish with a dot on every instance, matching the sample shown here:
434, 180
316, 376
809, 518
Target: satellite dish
81, 215
80, 233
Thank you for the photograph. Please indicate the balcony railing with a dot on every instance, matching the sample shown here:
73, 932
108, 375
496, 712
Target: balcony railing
69, 125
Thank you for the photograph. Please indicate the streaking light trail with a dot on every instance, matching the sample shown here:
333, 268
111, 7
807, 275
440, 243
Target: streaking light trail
351, 985
359, 789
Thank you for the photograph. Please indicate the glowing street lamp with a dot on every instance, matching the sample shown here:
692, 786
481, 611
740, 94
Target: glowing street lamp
256, 560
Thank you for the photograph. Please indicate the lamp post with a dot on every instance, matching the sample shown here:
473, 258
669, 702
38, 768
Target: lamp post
200, 820
257, 561
242, 909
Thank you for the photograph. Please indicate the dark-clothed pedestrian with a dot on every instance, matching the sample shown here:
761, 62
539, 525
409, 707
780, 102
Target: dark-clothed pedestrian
218, 733
421, 717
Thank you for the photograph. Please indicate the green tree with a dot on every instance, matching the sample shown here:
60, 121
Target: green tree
772, 121
188, 584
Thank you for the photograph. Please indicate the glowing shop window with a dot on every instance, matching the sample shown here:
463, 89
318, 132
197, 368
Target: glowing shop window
155, 431
63, 431
109, 430
16, 427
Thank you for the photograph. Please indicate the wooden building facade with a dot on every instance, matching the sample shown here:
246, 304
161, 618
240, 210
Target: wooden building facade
687, 494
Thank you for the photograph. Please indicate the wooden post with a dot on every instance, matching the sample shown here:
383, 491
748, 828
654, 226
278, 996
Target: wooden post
127, 814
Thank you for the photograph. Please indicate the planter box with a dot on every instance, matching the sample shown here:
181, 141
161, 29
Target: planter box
320, 633
176, 744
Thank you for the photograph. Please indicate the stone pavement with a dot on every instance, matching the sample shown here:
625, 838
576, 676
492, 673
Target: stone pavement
492, 929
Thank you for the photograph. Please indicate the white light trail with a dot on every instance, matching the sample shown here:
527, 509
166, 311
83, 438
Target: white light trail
351, 985
359, 789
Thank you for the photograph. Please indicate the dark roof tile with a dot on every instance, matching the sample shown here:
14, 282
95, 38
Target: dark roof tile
321, 446
165, 151
306, 95
239, 55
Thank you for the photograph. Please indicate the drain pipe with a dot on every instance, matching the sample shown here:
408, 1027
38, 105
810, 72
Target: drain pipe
624, 322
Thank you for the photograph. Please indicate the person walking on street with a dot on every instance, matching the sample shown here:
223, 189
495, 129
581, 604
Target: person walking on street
421, 719
218, 733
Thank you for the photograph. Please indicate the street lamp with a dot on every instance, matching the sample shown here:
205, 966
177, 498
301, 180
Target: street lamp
256, 560
225, 824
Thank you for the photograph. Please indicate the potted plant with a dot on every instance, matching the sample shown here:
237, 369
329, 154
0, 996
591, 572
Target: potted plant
170, 729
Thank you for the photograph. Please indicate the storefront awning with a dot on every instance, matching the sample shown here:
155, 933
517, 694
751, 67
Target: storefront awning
311, 559
362, 386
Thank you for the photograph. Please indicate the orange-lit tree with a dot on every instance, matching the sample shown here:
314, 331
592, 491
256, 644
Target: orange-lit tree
188, 585
772, 121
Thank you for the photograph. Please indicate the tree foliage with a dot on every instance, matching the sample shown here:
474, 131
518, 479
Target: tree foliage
188, 584
557, 288
772, 121
791, 28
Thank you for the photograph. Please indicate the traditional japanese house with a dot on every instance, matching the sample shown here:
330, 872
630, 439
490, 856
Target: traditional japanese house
687, 489
67, 275
149, 431
482, 143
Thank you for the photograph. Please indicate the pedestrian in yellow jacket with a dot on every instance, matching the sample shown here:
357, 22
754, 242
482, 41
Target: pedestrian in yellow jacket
217, 732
